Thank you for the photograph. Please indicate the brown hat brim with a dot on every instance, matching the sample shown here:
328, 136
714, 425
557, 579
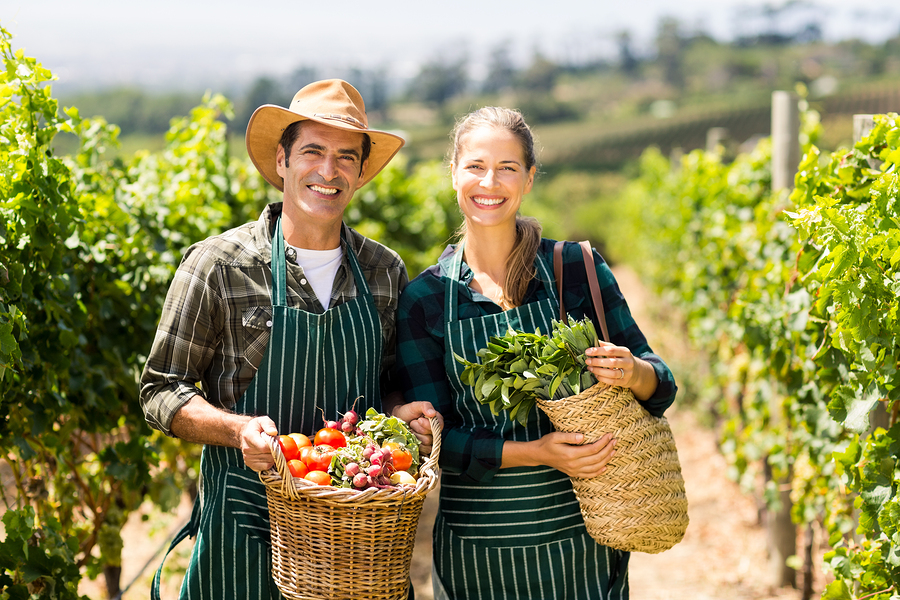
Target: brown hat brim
269, 121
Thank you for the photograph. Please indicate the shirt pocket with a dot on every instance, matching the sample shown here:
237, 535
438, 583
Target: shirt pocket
257, 327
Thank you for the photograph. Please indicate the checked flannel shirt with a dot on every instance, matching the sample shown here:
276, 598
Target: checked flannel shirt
214, 326
420, 346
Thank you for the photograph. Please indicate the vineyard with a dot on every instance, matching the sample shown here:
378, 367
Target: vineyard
789, 295
793, 298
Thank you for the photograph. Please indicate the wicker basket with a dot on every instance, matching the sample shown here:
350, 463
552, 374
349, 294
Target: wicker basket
639, 503
330, 543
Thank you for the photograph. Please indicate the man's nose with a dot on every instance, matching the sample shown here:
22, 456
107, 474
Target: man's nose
328, 169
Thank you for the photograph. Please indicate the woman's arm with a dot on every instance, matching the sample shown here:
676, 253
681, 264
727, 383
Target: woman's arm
562, 451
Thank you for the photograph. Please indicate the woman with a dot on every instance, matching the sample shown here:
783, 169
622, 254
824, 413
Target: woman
508, 525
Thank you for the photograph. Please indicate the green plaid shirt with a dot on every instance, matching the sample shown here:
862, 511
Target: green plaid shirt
420, 346
214, 326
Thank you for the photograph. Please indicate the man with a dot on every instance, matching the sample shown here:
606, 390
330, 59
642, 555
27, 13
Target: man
275, 325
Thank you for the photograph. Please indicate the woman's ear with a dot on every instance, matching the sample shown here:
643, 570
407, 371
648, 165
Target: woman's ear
530, 181
453, 175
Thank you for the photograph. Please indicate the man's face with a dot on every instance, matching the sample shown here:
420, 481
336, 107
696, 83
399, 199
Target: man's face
321, 174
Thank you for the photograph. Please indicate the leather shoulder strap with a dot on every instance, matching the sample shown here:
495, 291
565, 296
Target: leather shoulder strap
591, 269
595, 287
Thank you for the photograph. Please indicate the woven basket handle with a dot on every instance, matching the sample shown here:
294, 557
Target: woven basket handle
591, 269
287, 486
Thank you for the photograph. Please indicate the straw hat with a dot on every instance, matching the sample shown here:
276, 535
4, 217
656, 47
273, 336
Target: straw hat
332, 102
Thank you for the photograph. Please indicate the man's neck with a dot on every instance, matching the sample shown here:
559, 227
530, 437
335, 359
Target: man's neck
311, 236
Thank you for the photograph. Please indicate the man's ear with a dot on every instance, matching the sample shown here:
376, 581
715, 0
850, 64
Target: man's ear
362, 171
280, 166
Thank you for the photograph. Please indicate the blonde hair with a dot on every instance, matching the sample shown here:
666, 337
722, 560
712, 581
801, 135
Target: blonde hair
520, 263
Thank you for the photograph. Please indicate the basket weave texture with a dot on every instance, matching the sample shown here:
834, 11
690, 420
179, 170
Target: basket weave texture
337, 543
639, 503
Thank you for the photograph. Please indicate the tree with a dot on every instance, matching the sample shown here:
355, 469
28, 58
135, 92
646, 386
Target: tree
500, 71
439, 80
670, 48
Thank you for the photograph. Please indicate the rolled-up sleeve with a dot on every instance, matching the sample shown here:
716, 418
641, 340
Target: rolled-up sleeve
189, 330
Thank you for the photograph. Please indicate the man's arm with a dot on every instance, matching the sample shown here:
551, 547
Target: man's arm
200, 422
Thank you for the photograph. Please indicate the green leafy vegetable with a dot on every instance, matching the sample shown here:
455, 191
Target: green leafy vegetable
518, 367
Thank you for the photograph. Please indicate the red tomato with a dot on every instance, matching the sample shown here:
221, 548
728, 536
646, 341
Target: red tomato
302, 440
319, 458
304, 451
288, 447
331, 437
319, 477
297, 468
400, 456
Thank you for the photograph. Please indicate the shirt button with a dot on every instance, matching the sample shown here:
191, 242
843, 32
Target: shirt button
268, 323
302, 282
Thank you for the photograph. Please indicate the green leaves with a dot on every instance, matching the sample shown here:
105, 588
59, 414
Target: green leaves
518, 366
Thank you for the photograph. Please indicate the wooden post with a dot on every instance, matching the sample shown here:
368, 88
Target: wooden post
785, 139
781, 533
715, 136
862, 125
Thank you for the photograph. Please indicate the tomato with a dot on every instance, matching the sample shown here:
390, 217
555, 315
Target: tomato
331, 437
297, 468
288, 447
319, 458
319, 477
304, 452
401, 456
302, 440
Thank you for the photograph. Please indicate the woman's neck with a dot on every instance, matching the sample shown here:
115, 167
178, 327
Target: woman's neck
487, 254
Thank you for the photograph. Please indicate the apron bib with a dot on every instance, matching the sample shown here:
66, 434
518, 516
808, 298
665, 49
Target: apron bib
522, 532
312, 362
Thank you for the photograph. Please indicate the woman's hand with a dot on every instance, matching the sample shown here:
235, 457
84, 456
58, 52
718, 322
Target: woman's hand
562, 451
418, 415
616, 365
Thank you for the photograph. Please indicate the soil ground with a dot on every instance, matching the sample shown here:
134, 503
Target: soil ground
722, 556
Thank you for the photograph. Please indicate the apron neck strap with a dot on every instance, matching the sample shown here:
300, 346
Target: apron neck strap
279, 267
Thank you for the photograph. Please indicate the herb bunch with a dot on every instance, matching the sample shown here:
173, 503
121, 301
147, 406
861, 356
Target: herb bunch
518, 367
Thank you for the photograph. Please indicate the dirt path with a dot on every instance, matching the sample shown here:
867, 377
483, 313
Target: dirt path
722, 556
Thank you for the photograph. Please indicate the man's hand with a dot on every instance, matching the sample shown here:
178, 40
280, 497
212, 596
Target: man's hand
255, 448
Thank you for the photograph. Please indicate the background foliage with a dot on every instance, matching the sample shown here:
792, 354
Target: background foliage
793, 298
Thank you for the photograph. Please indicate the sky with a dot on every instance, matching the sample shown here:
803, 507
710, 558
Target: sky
191, 44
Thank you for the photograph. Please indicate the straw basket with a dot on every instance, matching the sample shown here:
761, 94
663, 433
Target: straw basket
639, 503
330, 543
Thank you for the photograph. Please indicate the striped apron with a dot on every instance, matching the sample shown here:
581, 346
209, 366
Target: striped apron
521, 535
312, 362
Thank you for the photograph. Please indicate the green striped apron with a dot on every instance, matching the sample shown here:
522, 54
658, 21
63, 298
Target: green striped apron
521, 535
312, 362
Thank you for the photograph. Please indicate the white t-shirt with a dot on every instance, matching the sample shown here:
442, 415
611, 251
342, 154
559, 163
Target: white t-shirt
320, 268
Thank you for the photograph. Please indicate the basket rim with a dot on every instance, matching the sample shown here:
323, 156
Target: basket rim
279, 478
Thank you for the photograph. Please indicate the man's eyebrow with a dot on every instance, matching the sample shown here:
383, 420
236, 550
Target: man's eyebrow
321, 148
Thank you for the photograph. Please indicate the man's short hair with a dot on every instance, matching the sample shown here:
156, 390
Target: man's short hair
292, 132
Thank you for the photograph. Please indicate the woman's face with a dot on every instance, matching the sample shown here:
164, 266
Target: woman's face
490, 177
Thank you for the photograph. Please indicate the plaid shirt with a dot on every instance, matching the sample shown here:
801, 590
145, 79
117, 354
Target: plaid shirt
215, 322
420, 346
